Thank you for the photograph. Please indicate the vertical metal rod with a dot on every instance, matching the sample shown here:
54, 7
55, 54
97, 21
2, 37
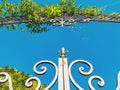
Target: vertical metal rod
63, 76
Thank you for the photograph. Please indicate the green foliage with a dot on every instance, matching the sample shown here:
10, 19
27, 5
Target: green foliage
114, 14
34, 14
99, 11
90, 11
68, 6
78, 9
18, 80
52, 11
35, 28
31, 11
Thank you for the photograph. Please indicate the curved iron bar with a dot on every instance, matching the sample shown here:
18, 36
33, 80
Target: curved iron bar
118, 81
100, 82
7, 78
29, 82
81, 70
44, 70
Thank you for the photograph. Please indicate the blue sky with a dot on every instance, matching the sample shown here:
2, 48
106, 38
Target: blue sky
96, 42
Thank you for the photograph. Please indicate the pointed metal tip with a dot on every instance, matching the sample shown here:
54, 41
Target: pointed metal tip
63, 52
63, 48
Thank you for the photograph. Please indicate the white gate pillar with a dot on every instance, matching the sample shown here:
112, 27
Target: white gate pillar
63, 74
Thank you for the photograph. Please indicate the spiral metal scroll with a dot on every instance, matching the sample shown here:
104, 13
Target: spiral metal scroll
29, 82
81, 70
100, 82
5, 79
44, 70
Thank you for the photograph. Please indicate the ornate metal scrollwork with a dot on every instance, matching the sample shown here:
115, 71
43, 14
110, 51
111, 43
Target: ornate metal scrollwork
62, 22
100, 83
29, 82
64, 74
44, 69
5, 79
81, 70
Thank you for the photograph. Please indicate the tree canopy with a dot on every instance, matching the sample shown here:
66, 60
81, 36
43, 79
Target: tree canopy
36, 17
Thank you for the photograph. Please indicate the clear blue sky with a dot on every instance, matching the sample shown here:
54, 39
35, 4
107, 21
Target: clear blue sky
96, 42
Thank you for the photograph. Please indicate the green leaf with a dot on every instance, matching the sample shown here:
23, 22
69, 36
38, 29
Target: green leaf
23, 29
14, 26
8, 27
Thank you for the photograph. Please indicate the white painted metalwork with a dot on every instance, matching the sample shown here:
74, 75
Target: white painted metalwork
44, 69
118, 82
100, 83
63, 73
5, 79
62, 22
60, 75
81, 70
29, 82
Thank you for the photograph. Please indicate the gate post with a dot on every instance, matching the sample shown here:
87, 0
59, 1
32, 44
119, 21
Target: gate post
63, 74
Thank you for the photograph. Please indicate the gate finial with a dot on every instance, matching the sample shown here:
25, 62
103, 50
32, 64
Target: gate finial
63, 52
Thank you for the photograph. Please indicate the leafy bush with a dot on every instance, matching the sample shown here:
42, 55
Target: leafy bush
18, 80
